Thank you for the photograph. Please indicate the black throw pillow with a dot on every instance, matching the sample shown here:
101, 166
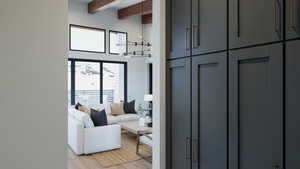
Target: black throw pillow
99, 118
129, 108
77, 106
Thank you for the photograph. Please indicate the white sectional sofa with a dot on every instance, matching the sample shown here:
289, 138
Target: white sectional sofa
113, 119
85, 138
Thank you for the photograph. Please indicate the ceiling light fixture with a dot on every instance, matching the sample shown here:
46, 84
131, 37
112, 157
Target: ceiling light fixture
146, 47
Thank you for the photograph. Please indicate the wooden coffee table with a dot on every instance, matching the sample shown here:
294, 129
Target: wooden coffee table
134, 128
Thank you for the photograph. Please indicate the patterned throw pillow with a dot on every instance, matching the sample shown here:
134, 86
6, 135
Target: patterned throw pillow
77, 106
85, 110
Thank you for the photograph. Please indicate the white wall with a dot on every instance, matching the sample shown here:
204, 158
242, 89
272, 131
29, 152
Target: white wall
159, 85
148, 33
108, 19
148, 37
33, 84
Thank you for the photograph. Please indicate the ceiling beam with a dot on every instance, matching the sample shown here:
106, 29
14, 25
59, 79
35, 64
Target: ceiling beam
139, 9
147, 19
97, 5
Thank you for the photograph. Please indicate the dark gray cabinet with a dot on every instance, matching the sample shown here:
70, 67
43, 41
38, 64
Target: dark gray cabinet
196, 27
292, 19
179, 19
292, 104
228, 109
255, 106
209, 26
253, 22
179, 115
209, 111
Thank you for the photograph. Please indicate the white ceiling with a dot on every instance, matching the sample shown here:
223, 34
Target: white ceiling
120, 4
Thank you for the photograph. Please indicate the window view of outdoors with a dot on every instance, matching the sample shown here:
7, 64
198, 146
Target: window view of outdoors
87, 39
113, 82
87, 82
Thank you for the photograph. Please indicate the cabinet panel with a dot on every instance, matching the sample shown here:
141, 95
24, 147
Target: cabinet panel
292, 104
209, 26
209, 111
179, 18
292, 19
255, 22
256, 121
178, 115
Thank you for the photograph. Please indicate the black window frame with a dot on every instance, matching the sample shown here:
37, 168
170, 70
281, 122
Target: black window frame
109, 41
73, 78
86, 27
150, 77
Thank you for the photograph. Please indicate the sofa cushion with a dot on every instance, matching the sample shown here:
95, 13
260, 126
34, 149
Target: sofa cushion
99, 117
129, 108
128, 117
112, 119
82, 117
117, 108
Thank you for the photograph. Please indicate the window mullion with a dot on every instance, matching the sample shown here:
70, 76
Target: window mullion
72, 82
101, 82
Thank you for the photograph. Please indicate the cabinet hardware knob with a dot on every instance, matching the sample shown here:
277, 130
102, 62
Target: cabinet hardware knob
277, 17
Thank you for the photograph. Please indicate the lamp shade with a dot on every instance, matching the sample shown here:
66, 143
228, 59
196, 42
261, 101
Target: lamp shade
148, 98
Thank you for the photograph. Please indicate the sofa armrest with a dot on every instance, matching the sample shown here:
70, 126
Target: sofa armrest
102, 138
75, 135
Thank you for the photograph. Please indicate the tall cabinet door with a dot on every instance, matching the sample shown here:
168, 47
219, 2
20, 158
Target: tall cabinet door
292, 19
209, 26
179, 116
179, 18
255, 106
209, 111
292, 104
255, 22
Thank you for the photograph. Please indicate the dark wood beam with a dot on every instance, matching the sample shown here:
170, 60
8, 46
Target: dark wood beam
139, 9
97, 5
147, 19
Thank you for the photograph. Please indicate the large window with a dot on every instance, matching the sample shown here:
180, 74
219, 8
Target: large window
113, 82
117, 42
97, 82
87, 39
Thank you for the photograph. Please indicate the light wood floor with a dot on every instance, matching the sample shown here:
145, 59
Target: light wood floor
88, 162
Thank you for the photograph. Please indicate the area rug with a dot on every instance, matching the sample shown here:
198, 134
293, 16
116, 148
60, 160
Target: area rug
115, 157
124, 155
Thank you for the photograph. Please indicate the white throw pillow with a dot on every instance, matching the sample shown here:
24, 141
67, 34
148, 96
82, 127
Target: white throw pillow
83, 117
107, 108
100, 107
